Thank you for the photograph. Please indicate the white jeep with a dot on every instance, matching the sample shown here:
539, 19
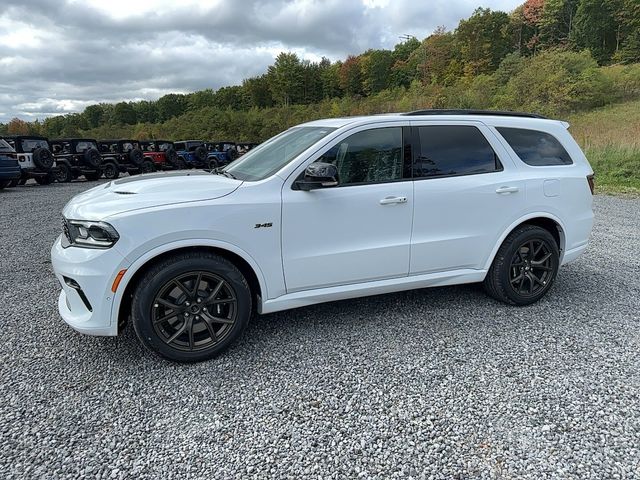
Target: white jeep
34, 157
327, 210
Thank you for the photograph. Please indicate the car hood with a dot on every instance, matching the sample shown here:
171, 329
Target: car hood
148, 190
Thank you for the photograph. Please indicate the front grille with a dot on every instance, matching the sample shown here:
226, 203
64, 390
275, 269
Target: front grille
65, 230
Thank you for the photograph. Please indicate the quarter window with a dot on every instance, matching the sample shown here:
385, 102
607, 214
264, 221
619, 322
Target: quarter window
535, 148
450, 150
371, 156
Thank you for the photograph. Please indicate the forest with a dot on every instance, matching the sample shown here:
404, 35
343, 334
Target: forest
554, 57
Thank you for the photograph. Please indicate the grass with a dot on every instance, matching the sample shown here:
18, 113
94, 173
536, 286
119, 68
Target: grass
610, 138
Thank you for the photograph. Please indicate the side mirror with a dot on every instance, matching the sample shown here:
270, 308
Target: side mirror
318, 175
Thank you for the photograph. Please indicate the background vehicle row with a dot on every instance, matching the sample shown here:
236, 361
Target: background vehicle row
67, 159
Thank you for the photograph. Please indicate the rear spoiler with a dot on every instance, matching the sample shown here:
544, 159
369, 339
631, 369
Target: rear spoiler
565, 124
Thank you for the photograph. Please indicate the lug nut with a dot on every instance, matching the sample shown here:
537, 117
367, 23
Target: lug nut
199, 300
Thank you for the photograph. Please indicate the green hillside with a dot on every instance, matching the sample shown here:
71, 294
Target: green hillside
610, 137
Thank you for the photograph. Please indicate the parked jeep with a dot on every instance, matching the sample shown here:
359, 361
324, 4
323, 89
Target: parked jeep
76, 157
9, 167
192, 152
162, 153
244, 147
34, 157
124, 155
221, 153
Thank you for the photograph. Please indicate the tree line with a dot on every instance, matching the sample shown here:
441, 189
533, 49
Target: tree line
551, 56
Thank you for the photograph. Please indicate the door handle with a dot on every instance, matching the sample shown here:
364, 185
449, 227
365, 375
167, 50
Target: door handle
507, 190
392, 200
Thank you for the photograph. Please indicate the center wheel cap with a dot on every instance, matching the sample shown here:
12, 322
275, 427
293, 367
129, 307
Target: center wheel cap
194, 308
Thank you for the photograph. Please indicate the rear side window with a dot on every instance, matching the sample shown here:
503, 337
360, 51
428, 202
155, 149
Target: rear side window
535, 148
451, 150
5, 147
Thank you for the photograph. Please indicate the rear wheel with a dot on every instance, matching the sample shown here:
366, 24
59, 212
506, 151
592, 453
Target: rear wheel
525, 266
191, 306
64, 174
213, 164
147, 167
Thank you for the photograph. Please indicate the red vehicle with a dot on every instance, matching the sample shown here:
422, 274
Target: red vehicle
162, 153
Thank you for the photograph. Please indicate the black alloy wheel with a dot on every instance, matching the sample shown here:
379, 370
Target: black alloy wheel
524, 267
531, 268
194, 311
147, 167
191, 306
110, 171
63, 173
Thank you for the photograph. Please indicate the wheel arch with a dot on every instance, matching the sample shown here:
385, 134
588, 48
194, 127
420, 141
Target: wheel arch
545, 220
242, 261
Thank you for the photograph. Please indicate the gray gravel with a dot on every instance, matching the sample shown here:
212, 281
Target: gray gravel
436, 383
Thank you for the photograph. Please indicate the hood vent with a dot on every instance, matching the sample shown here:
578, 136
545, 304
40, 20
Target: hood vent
125, 193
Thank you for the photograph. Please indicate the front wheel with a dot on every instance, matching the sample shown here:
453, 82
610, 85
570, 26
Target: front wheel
147, 167
110, 171
64, 173
525, 266
191, 306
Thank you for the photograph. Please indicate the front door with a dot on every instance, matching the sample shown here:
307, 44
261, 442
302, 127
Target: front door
357, 231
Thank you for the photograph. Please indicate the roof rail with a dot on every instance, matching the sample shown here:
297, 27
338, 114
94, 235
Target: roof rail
473, 112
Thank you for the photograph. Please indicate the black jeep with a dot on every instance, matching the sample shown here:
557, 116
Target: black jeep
75, 157
124, 156
34, 157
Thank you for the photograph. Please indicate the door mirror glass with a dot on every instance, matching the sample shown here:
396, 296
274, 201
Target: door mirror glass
318, 175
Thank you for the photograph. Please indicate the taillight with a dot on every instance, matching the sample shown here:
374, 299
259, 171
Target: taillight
592, 183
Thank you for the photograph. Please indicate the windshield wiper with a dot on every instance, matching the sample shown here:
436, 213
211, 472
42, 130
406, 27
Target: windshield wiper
228, 174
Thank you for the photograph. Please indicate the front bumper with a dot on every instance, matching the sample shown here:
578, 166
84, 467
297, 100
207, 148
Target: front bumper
86, 276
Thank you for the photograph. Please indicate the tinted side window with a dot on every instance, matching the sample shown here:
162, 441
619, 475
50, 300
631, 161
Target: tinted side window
371, 156
447, 150
535, 148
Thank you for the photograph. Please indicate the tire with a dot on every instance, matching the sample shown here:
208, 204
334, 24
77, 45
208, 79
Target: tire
45, 179
92, 158
157, 290
171, 157
92, 176
201, 154
64, 173
516, 277
14, 183
136, 157
110, 170
43, 159
213, 164
232, 153
147, 167
181, 164
22, 181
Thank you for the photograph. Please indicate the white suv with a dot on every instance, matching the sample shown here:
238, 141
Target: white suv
327, 210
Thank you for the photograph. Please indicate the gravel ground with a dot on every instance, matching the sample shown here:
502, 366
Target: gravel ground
435, 383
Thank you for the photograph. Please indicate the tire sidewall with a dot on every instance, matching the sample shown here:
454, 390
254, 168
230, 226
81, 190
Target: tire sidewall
155, 279
518, 241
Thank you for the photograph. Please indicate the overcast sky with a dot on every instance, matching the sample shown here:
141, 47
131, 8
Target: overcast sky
59, 56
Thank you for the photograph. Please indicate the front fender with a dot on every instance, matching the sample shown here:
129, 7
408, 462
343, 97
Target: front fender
137, 263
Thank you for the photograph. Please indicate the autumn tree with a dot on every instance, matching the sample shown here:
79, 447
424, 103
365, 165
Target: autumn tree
351, 76
17, 126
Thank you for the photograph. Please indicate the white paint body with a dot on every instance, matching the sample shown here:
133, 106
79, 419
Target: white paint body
333, 243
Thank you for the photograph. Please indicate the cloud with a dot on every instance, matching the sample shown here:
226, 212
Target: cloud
59, 57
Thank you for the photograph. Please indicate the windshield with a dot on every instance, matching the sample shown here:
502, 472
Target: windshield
272, 155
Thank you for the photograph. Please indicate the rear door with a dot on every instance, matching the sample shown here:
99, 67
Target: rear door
467, 192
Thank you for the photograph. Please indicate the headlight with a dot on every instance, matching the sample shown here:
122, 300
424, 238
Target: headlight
87, 234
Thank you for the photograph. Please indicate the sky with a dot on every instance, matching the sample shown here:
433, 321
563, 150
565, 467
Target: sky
57, 57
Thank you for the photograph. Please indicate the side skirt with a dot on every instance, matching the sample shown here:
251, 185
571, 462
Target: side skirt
342, 292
